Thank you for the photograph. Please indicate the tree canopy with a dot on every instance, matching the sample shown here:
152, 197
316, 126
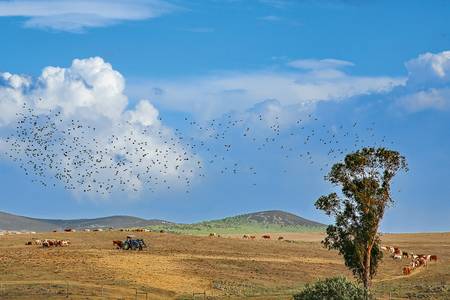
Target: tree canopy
365, 179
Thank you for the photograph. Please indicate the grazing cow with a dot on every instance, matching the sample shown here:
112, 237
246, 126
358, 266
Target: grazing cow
64, 243
118, 244
423, 261
407, 270
252, 237
423, 257
280, 238
433, 258
266, 237
405, 254
50, 243
213, 234
397, 256
397, 253
245, 237
29, 243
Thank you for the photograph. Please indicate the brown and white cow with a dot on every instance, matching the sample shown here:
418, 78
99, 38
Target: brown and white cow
397, 256
407, 270
397, 253
64, 243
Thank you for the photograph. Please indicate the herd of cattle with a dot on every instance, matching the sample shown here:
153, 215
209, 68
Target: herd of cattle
417, 260
46, 243
264, 237
249, 237
128, 244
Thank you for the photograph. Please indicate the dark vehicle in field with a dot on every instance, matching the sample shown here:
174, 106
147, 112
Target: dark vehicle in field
131, 243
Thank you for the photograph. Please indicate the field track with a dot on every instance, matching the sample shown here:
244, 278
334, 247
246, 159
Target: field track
176, 266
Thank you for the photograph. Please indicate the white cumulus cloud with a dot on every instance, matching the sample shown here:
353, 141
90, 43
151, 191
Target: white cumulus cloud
428, 84
430, 69
129, 149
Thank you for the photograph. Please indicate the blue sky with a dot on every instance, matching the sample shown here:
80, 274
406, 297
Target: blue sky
381, 64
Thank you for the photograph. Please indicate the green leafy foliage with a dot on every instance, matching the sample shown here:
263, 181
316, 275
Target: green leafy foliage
336, 288
365, 180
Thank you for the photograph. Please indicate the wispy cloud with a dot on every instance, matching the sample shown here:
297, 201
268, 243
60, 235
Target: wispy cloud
276, 3
438, 99
270, 18
215, 94
75, 16
198, 29
319, 64
280, 20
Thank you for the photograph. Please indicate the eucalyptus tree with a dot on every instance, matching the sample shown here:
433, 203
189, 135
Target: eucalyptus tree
365, 180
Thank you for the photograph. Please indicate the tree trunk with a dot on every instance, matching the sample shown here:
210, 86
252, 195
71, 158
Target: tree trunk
366, 278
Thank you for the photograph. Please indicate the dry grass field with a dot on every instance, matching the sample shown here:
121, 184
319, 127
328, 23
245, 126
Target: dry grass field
176, 266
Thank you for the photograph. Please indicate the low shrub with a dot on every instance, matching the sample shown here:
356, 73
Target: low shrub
336, 288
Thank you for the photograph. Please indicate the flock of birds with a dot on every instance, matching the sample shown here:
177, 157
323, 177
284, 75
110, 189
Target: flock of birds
124, 157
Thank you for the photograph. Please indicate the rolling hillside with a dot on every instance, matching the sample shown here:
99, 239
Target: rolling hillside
265, 221
20, 223
258, 222
270, 217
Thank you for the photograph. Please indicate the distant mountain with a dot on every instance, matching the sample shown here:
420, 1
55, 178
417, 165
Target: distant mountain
270, 217
18, 223
264, 221
258, 222
105, 222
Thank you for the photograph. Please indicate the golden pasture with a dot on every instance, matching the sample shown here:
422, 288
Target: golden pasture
176, 266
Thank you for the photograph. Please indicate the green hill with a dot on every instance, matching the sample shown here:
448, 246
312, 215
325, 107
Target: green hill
259, 222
